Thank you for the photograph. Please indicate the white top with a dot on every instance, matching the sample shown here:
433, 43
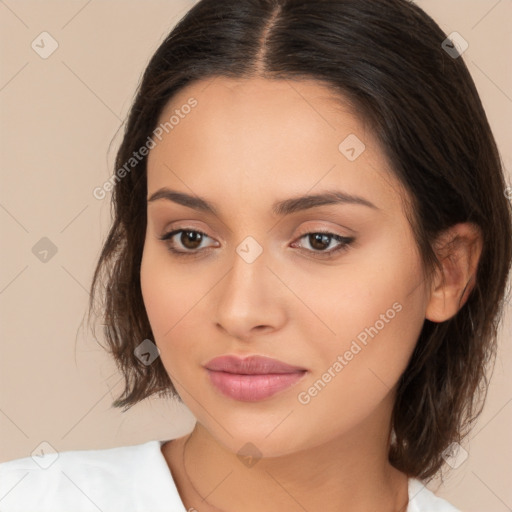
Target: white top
125, 479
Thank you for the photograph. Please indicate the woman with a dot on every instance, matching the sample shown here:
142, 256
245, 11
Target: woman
310, 249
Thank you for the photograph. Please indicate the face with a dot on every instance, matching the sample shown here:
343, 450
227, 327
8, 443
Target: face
330, 286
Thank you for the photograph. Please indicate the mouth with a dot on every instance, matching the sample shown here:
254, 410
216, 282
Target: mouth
253, 378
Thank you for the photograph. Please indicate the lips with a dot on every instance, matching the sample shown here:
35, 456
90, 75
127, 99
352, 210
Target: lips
253, 365
252, 378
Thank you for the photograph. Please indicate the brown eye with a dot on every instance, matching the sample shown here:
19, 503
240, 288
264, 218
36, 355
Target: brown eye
320, 242
189, 242
191, 239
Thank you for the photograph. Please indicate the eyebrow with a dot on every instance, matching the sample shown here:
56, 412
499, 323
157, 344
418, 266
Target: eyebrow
280, 208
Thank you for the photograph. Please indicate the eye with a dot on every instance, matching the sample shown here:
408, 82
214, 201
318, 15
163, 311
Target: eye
319, 241
190, 240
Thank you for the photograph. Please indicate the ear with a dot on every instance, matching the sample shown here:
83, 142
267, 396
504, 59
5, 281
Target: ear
458, 249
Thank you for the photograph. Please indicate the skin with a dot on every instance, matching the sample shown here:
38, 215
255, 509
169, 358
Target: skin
247, 144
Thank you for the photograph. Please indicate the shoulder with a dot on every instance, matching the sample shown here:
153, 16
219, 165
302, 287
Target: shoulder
422, 499
124, 478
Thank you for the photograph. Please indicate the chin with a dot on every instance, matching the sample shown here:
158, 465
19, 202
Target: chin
258, 439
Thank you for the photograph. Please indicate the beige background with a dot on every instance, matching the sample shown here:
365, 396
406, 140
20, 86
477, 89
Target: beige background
58, 118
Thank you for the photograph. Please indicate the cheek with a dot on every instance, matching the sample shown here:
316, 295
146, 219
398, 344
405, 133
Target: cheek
381, 286
173, 297
165, 297
370, 312
357, 373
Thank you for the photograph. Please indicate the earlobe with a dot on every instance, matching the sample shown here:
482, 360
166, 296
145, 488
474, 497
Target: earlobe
458, 250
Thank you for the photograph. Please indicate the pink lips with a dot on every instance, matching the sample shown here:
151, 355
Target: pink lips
252, 378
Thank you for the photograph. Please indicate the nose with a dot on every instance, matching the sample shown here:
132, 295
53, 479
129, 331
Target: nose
250, 299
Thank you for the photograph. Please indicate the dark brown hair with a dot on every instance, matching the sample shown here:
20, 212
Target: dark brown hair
386, 58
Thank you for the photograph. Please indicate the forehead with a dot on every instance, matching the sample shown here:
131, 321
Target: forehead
255, 134
263, 104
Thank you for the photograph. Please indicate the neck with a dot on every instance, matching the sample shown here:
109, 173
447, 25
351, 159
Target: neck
349, 473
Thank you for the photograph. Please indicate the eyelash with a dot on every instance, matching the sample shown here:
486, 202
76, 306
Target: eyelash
345, 243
